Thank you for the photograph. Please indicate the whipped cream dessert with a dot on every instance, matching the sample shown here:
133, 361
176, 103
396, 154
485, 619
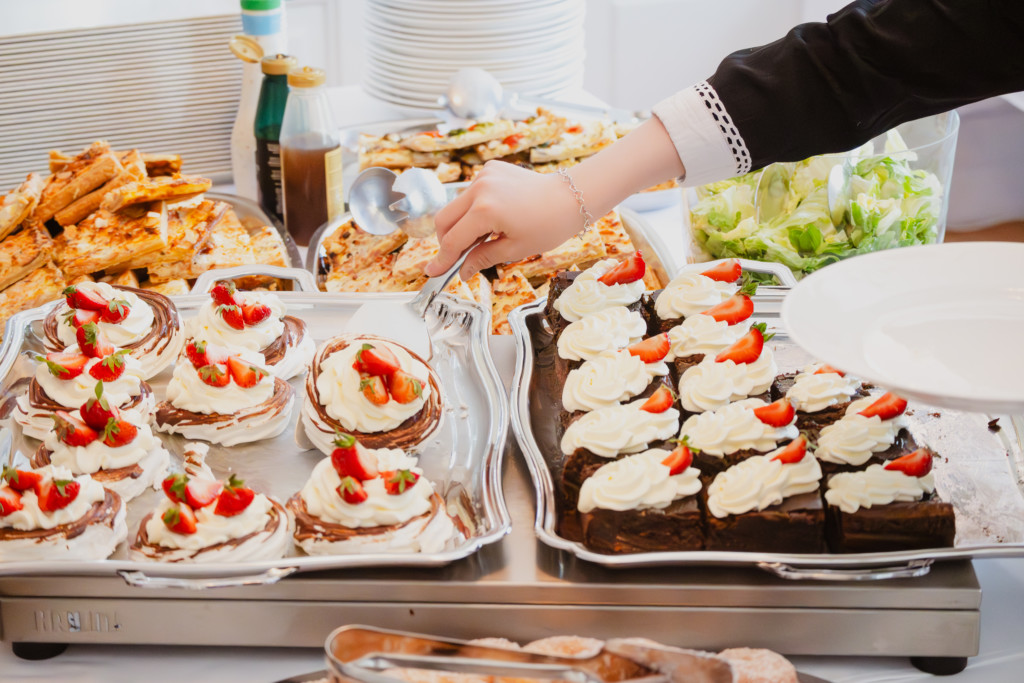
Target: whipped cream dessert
710, 385
814, 391
702, 334
89, 527
613, 328
690, 293
610, 432
875, 485
151, 330
637, 482
735, 427
760, 482
413, 519
608, 379
855, 438
587, 295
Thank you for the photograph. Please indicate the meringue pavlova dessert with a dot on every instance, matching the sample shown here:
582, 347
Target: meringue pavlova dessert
365, 500
254, 321
144, 322
204, 520
225, 398
50, 514
375, 389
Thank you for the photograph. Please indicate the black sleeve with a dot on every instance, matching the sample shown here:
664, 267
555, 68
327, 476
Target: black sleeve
829, 87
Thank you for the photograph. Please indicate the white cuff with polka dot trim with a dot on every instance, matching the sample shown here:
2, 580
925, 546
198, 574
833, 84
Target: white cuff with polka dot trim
704, 136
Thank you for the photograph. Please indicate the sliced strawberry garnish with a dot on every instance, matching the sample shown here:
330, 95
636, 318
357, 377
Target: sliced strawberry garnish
56, 494
10, 501
224, 293
513, 140
660, 401
376, 360
119, 432
180, 519
794, 451
652, 349
916, 464
202, 353
629, 269
888, 406
374, 390
403, 387
778, 414
21, 480
232, 315
89, 299
214, 375
76, 317
828, 369
679, 459
398, 482
728, 270
64, 365
111, 367
174, 486
243, 373
747, 348
116, 311
351, 491
349, 461
93, 342
255, 313
733, 310
97, 411
72, 431
234, 498
201, 492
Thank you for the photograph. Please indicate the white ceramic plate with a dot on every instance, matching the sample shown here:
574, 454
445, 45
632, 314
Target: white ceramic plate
942, 324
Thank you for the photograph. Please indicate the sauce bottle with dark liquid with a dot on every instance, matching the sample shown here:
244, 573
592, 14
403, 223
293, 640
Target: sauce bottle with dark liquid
310, 156
269, 115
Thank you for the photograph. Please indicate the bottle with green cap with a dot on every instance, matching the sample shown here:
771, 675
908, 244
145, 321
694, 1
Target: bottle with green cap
267, 129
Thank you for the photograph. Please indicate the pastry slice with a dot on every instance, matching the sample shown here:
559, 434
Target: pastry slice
131, 169
575, 142
126, 278
350, 249
459, 138
112, 242
508, 292
22, 253
536, 130
41, 285
166, 188
268, 247
19, 204
613, 235
375, 276
188, 230
581, 251
83, 174
414, 256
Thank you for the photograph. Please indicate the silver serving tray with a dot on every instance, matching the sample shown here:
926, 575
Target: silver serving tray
463, 459
981, 471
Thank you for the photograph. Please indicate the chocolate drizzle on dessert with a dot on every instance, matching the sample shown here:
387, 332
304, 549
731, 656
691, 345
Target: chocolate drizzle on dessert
40, 400
42, 459
168, 414
307, 526
294, 331
406, 435
102, 512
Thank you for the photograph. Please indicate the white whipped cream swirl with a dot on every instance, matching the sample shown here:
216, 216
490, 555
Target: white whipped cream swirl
209, 326
99, 456
72, 393
587, 295
612, 377
853, 439
133, 328
759, 482
812, 393
211, 528
690, 293
30, 517
733, 428
637, 482
710, 385
702, 334
609, 432
850, 491
613, 328
187, 391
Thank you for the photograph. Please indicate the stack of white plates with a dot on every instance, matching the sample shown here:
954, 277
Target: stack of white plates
533, 47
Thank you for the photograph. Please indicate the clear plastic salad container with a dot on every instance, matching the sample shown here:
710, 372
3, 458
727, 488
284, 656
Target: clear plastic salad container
898, 195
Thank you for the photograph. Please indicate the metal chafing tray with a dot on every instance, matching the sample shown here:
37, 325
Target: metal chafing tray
463, 459
979, 472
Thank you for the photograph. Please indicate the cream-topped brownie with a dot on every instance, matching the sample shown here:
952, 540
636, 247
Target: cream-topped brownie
370, 500
709, 332
690, 293
820, 393
611, 329
64, 380
724, 437
142, 321
888, 507
605, 284
254, 321
647, 502
50, 514
202, 520
746, 369
373, 388
225, 397
873, 430
768, 503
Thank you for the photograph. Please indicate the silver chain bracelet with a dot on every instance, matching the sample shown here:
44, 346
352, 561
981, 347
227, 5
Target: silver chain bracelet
588, 219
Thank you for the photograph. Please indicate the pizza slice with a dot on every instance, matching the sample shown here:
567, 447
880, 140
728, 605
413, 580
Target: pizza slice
22, 253
132, 169
113, 242
169, 188
459, 138
512, 290
35, 289
83, 174
613, 235
581, 250
534, 131
351, 248
19, 204
577, 141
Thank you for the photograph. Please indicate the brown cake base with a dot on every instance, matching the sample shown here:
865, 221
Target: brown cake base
796, 525
559, 283
677, 527
929, 523
655, 324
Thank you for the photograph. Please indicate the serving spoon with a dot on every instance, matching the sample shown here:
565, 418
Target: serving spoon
773, 187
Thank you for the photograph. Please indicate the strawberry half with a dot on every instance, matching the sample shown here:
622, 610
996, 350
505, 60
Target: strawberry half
916, 464
747, 348
888, 406
202, 353
93, 342
56, 494
244, 374
349, 461
778, 414
10, 501
201, 492
234, 498
733, 310
214, 375
351, 491
679, 459
72, 431
398, 482
97, 411
76, 317
374, 390
728, 270
403, 387
232, 315
116, 311
794, 451
64, 365
629, 269
827, 369
21, 480
174, 486
119, 432
660, 401
180, 519
224, 293
255, 313
88, 299
376, 360
111, 367
652, 349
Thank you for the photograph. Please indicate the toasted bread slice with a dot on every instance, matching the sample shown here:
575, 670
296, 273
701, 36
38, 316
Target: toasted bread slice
350, 248
512, 290
19, 204
35, 289
170, 188
132, 169
83, 174
23, 252
268, 247
581, 250
227, 245
169, 288
113, 242
189, 229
